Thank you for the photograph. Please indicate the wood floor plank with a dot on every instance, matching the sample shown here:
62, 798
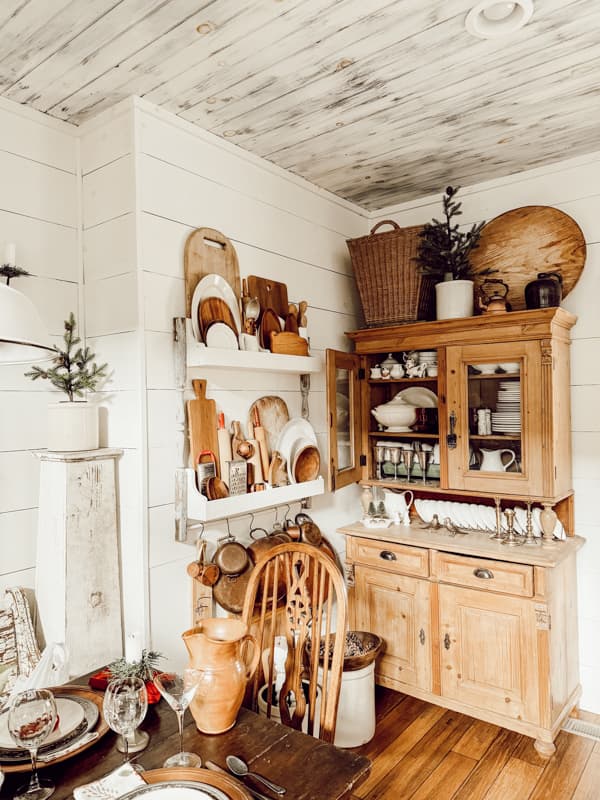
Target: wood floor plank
477, 739
416, 766
445, 778
385, 701
588, 787
393, 724
490, 766
515, 782
426, 717
562, 772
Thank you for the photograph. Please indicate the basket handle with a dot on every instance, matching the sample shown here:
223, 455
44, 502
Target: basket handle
391, 222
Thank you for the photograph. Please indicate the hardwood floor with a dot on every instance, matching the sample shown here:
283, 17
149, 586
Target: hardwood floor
422, 752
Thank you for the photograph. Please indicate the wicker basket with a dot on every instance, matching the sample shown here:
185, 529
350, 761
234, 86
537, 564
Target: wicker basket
390, 286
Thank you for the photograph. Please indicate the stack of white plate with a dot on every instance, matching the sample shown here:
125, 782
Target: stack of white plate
507, 417
428, 357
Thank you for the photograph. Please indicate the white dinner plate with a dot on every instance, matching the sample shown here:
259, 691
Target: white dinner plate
177, 790
221, 336
417, 396
296, 428
70, 716
213, 285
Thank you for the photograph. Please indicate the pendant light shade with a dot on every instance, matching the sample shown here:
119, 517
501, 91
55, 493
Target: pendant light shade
23, 337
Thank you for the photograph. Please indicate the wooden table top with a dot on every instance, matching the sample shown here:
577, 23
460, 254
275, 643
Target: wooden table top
309, 768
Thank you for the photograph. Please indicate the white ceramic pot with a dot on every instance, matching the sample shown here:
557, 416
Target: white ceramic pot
454, 299
72, 426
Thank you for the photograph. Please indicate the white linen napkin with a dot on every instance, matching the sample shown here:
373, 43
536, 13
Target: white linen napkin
122, 780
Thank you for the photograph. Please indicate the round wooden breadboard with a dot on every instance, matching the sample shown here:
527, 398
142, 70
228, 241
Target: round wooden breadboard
525, 241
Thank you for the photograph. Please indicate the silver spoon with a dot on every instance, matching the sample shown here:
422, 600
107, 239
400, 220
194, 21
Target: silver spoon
239, 767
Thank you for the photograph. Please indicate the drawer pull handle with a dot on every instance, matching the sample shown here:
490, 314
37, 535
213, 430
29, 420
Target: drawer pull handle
485, 574
447, 641
387, 555
422, 636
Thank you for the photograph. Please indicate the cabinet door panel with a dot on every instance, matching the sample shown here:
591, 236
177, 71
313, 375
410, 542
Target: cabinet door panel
396, 607
489, 651
344, 403
506, 456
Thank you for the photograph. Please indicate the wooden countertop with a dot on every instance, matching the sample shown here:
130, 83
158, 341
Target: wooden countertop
472, 544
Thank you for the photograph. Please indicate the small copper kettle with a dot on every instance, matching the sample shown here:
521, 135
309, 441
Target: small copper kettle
493, 301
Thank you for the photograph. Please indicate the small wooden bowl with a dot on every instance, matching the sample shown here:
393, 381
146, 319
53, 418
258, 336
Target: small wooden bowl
216, 489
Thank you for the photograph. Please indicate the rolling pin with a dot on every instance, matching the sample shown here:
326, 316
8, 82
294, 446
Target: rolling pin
261, 437
255, 458
224, 440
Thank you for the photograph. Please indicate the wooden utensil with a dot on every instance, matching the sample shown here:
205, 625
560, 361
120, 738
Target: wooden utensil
289, 343
216, 489
291, 323
270, 294
261, 438
202, 423
277, 470
209, 251
269, 324
273, 414
528, 240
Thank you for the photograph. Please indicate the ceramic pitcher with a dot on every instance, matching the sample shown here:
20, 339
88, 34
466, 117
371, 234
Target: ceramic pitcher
397, 505
491, 460
226, 656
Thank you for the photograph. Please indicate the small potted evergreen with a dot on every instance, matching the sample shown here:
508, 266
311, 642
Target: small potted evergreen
444, 252
72, 423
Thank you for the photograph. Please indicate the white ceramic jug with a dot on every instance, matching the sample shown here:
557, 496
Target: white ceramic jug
397, 505
491, 460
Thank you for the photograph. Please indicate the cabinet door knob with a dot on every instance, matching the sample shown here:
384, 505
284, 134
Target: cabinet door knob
485, 574
447, 641
422, 636
387, 555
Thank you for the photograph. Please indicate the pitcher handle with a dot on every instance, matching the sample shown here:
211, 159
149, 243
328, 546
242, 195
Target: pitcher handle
512, 461
250, 667
412, 497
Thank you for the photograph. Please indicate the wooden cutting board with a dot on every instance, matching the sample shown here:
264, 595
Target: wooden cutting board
202, 424
528, 240
273, 414
208, 252
270, 294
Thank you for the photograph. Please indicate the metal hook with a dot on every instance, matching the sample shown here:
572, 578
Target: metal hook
251, 515
228, 528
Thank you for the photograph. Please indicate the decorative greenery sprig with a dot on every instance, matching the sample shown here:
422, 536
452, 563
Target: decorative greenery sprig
74, 370
9, 271
144, 668
443, 247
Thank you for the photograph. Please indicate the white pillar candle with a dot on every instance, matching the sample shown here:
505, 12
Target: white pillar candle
133, 648
10, 254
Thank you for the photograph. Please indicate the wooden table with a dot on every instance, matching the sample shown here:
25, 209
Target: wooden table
309, 768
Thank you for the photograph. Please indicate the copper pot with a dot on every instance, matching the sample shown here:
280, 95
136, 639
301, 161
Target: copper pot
231, 557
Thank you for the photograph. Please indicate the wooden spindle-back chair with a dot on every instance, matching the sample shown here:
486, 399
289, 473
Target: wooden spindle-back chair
313, 611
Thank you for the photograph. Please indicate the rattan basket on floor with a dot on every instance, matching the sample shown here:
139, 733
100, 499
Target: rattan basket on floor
391, 288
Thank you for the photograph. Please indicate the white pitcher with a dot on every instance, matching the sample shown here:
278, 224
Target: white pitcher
491, 460
397, 506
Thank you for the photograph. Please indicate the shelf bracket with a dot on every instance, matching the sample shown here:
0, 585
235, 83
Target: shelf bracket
304, 390
179, 337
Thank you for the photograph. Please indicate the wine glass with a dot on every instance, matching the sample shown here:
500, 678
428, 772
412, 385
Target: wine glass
31, 719
407, 460
179, 690
379, 459
125, 705
395, 458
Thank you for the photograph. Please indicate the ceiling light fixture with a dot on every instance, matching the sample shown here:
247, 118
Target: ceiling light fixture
23, 337
492, 18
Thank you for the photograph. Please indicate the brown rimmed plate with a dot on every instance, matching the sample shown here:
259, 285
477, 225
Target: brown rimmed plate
232, 788
100, 727
269, 322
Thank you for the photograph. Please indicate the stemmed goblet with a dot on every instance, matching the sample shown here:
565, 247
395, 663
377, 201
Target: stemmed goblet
379, 459
179, 690
423, 457
395, 458
125, 705
407, 460
31, 719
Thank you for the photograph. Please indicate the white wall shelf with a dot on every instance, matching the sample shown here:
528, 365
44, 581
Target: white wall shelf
198, 355
192, 505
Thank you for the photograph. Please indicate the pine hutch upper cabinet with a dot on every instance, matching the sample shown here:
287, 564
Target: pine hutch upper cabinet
514, 364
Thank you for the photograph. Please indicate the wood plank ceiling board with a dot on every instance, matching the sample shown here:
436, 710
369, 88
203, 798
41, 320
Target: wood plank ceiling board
377, 102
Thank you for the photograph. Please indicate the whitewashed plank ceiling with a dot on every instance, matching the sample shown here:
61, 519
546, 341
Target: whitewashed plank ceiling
378, 101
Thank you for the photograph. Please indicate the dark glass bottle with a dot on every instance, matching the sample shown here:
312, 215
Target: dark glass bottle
545, 292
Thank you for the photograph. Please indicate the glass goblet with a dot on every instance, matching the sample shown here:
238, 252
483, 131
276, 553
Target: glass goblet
379, 459
179, 690
395, 458
407, 460
31, 719
125, 705
423, 457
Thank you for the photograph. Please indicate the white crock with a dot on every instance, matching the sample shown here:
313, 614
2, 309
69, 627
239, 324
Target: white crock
454, 299
72, 426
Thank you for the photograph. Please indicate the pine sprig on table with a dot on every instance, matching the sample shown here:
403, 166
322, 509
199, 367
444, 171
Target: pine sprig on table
144, 668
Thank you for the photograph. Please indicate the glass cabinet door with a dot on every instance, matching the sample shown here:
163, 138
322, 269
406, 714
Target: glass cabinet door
344, 407
494, 425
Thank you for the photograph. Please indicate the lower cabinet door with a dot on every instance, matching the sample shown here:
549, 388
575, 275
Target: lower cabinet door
488, 651
397, 608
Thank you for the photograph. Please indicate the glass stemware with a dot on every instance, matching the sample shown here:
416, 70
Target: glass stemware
31, 719
395, 458
423, 457
407, 460
179, 690
379, 459
125, 705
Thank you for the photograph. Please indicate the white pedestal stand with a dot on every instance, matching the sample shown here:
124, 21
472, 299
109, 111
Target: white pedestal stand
77, 576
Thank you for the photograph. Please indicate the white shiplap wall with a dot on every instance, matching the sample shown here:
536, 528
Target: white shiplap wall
39, 213
282, 228
572, 186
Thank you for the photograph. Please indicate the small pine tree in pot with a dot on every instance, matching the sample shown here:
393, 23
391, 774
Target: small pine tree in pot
444, 251
72, 425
